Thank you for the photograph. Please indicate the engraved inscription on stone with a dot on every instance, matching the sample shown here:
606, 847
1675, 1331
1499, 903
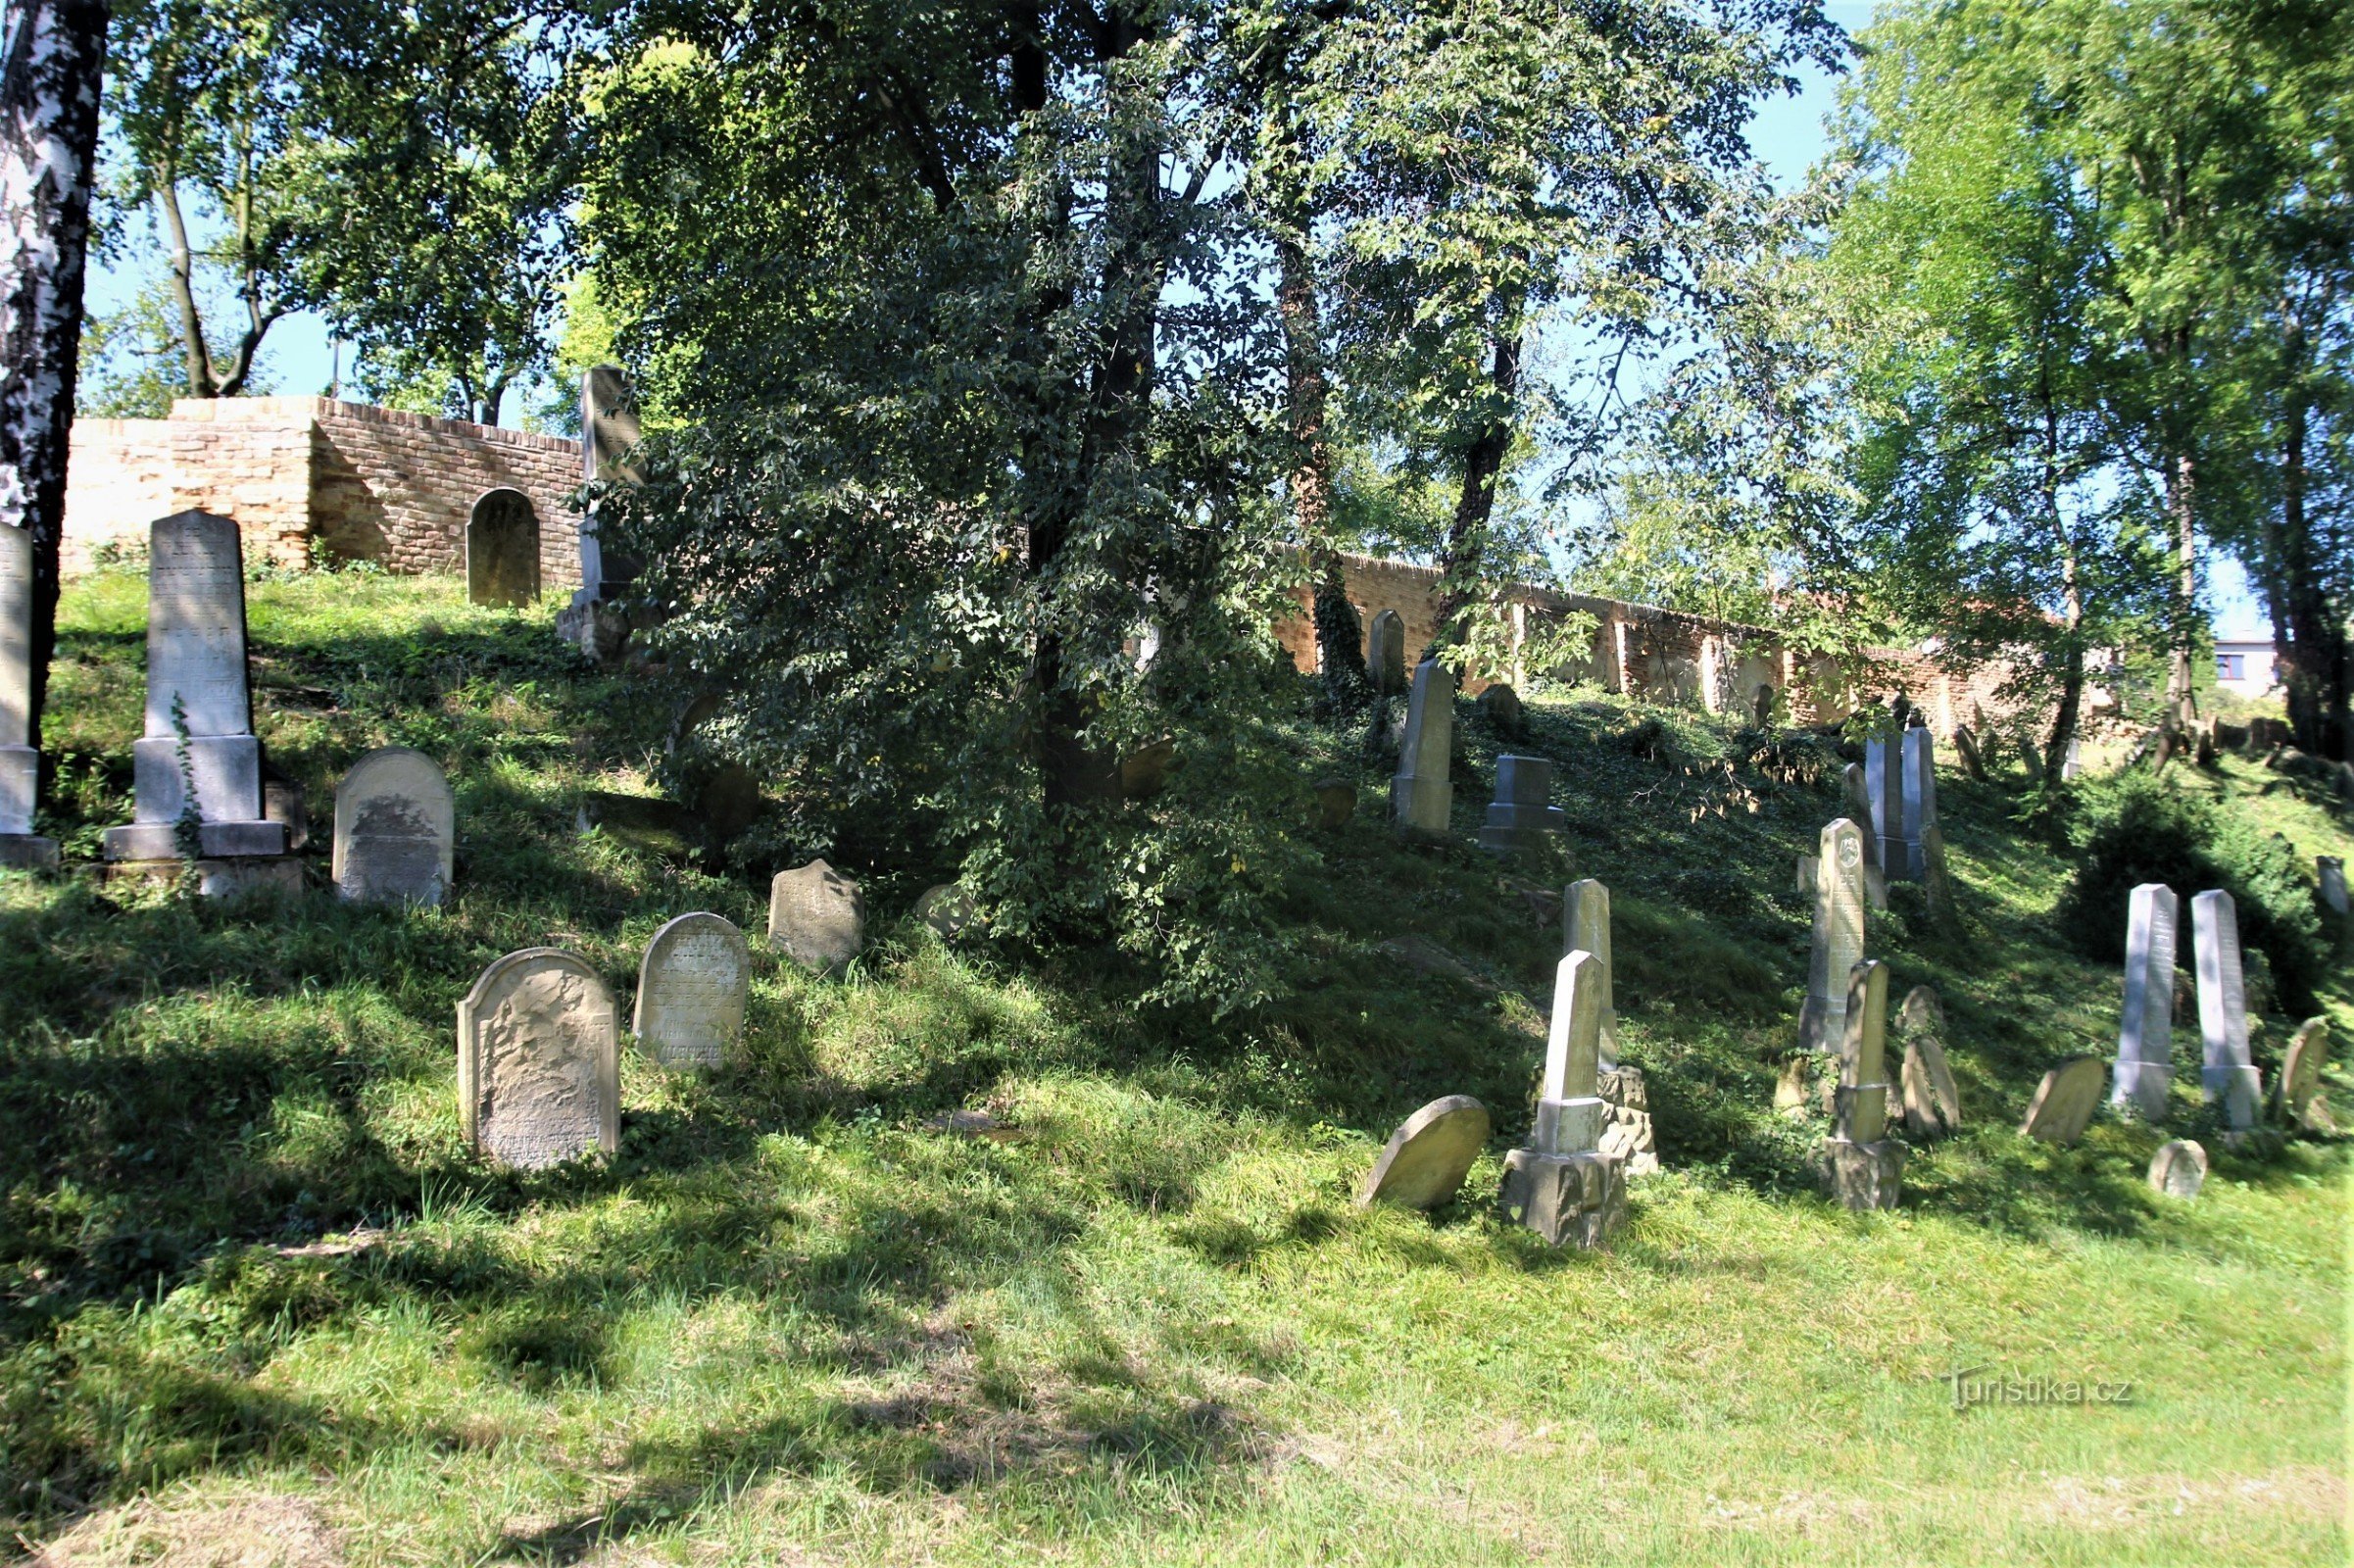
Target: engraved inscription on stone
1839, 935
15, 637
817, 915
502, 549
2145, 1037
395, 828
196, 626
691, 991
539, 1061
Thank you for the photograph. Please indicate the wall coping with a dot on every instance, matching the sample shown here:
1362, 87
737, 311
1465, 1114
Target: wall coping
331, 411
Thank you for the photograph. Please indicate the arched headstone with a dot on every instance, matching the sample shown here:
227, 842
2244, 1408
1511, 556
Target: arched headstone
539, 1065
691, 992
396, 828
502, 549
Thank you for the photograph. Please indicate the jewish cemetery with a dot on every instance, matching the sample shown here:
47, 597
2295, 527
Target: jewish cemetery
1123, 784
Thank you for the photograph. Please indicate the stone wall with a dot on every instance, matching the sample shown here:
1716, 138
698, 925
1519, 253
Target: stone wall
315, 478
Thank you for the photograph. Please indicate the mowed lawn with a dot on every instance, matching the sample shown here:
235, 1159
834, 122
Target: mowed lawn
258, 1306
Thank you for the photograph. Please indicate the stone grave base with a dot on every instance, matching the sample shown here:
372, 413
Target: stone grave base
1569, 1200
222, 878
1628, 1133
27, 852
1863, 1176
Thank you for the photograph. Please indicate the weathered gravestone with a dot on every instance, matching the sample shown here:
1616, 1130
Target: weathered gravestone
19, 752
2179, 1169
817, 916
1386, 653
1761, 708
1920, 804
1564, 1187
199, 723
1501, 705
1521, 816
1859, 810
1965, 746
1336, 802
1585, 928
1421, 793
2333, 872
2300, 1086
502, 549
608, 433
396, 829
2065, 1101
1933, 1101
948, 910
1862, 1165
1425, 1161
691, 992
539, 1074
1839, 937
1884, 790
2229, 1074
2145, 1039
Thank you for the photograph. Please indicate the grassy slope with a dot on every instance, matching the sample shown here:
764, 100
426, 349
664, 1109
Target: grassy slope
789, 1319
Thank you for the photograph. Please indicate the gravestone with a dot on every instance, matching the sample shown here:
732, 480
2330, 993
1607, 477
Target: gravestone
1920, 803
691, 992
1884, 795
1863, 1166
1386, 653
1425, 1161
1564, 1187
2332, 871
1761, 708
20, 749
1501, 705
948, 910
2229, 1074
199, 726
1585, 928
1520, 816
1839, 935
2065, 1101
2300, 1085
539, 1074
1933, 1101
2179, 1169
1965, 746
2145, 1039
1421, 793
608, 431
396, 829
502, 549
1336, 802
817, 916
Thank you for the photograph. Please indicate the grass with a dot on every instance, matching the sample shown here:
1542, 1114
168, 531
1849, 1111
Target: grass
789, 1322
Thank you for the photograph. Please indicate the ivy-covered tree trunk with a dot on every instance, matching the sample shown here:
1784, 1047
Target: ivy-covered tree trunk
2310, 644
49, 122
1483, 463
1340, 644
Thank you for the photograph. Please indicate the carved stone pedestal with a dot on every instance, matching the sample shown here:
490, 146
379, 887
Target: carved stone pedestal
1569, 1200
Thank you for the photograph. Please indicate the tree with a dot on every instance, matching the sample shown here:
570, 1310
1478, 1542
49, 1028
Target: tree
49, 84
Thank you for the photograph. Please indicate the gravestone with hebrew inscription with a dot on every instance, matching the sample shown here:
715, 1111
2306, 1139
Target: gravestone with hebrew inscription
196, 774
1425, 1161
1422, 794
817, 916
691, 986
396, 829
1522, 816
1386, 653
2065, 1101
1862, 1165
502, 549
2145, 1038
20, 749
539, 1074
1586, 927
2229, 1074
1839, 935
1563, 1186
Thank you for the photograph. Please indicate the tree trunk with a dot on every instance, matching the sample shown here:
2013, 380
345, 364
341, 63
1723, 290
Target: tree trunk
49, 87
2182, 511
2309, 642
1475, 504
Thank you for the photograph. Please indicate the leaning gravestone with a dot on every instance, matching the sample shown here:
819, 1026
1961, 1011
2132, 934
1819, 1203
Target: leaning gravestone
2332, 871
2065, 1101
1425, 1161
2229, 1075
539, 1076
1563, 1186
691, 992
2179, 1169
817, 916
1585, 928
19, 752
1422, 794
1933, 1102
1862, 1164
502, 549
2301, 1077
1839, 935
2145, 1039
1965, 746
1386, 653
1521, 816
396, 829
199, 723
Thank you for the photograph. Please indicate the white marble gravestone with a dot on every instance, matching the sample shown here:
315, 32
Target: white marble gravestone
1386, 653
1422, 796
1920, 804
2145, 1039
502, 549
396, 829
20, 747
817, 915
1563, 1186
2229, 1074
1522, 816
1839, 935
1586, 926
199, 723
1864, 1166
692, 989
539, 1076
